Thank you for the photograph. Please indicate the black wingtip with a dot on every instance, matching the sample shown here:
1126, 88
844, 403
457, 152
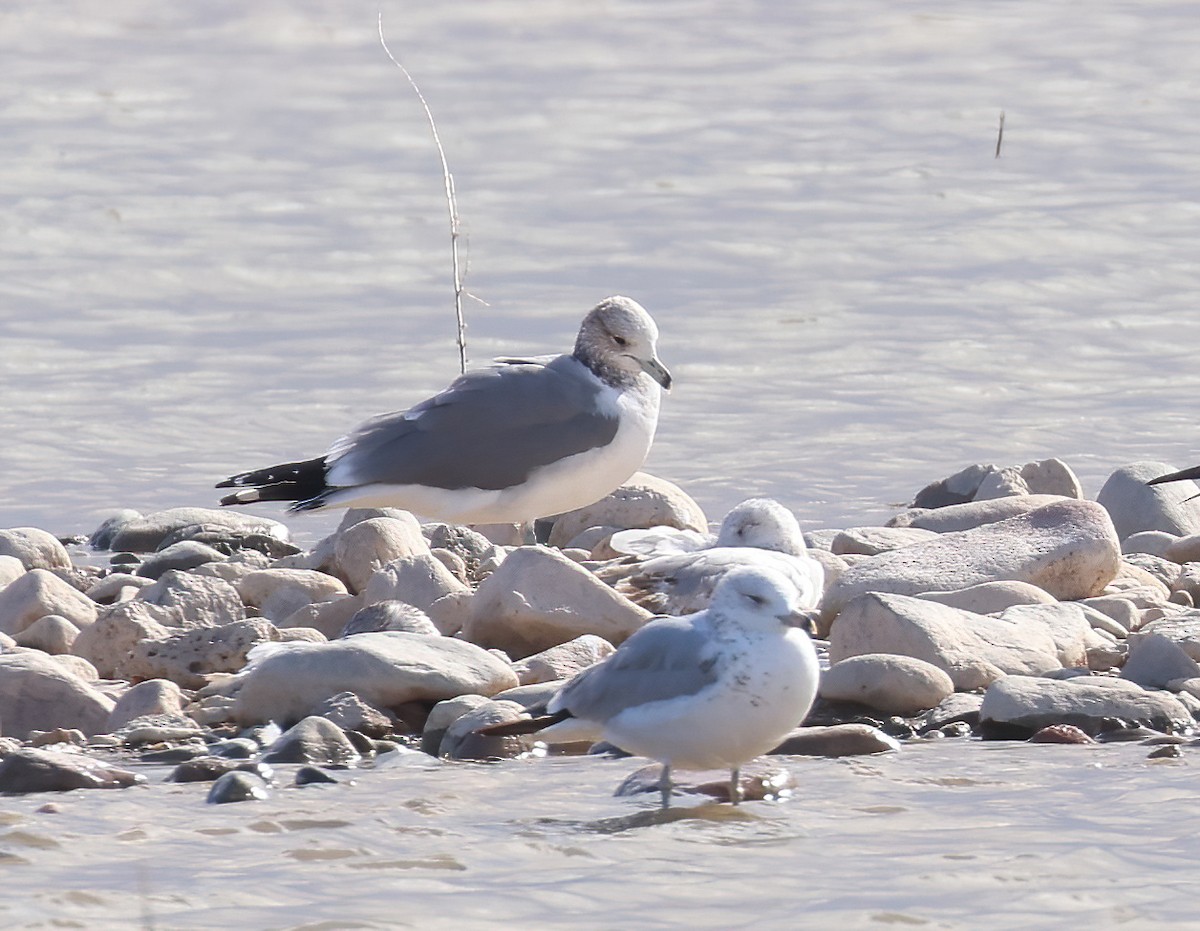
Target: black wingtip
523, 726
1193, 472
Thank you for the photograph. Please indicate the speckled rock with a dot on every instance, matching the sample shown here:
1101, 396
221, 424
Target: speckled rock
1067, 548
37, 593
886, 682
384, 669
957, 517
564, 660
36, 693
973, 649
643, 501
1017, 706
329, 617
538, 599
1066, 623
186, 657
34, 548
1136, 506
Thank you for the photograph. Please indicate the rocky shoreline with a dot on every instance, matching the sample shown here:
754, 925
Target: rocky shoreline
1002, 605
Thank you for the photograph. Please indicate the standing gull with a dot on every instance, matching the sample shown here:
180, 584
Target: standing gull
523, 439
712, 689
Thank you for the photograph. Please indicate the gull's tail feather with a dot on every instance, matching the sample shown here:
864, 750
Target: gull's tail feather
289, 481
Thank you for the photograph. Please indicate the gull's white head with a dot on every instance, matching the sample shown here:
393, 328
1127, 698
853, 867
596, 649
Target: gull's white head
763, 523
759, 599
618, 341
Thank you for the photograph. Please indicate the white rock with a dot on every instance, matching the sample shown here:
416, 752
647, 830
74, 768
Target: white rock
363, 548
991, 597
1067, 624
34, 548
564, 660
50, 634
1067, 548
460, 741
1136, 506
643, 501
887, 682
871, 541
418, 580
956, 517
1046, 477
972, 649
118, 586
538, 599
153, 696
11, 569
278, 593
79, 667
36, 693
1154, 660
384, 669
329, 617
1020, 704
37, 593
1154, 542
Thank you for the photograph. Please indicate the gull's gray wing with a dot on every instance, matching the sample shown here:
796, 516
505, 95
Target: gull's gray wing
668, 658
490, 429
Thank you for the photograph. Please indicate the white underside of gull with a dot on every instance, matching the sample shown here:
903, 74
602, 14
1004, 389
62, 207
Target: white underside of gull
764, 690
561, 486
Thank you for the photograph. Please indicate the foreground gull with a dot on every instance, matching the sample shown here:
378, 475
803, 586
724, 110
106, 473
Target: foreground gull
757, 533
713, 689
524, 439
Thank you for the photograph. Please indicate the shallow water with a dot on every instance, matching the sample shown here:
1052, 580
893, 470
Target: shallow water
954, 834
224, 239
223, 242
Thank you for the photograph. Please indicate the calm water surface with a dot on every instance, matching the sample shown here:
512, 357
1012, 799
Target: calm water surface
223, 237
223, 241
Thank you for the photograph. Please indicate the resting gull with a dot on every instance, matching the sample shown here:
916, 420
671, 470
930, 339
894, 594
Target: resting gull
760, 522
712, 689
679, 583
523, 439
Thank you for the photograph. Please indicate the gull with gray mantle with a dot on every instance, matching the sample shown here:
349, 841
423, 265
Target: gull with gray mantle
713, 689
523, 439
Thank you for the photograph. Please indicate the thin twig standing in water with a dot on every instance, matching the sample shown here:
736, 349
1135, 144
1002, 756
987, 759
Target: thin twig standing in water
451, 204
1000, 134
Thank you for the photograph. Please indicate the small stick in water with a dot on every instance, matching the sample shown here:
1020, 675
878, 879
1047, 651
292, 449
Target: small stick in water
451, 204
1000, 134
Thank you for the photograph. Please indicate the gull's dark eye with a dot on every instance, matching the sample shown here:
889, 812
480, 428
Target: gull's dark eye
757, 600
620, 341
